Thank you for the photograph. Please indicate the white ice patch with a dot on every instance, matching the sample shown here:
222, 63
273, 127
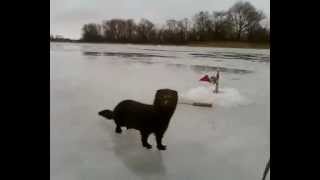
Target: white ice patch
226, 97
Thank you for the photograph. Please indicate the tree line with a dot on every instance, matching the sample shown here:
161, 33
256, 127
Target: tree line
59, 38
241, 22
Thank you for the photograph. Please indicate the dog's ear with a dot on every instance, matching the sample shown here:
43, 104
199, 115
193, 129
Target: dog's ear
175, 93
161, 91
175, 96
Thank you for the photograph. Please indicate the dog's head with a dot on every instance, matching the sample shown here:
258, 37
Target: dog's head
166, 100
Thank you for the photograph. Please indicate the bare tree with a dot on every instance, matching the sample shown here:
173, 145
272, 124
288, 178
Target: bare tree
106, 31
144, 30
171, 31
202, 25
91, 33
118, 28
244, 17
241, 22
222, 25
184, 27
130, 29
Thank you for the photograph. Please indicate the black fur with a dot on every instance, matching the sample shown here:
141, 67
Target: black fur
146, 118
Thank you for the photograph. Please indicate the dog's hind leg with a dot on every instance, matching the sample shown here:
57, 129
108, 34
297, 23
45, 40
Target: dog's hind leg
118, 126
160, 146
144, 140
118, 129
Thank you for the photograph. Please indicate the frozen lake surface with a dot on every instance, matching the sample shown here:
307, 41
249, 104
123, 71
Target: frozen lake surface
229, 141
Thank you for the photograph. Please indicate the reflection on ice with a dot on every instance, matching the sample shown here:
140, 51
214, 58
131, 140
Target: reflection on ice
124, 54
140, 161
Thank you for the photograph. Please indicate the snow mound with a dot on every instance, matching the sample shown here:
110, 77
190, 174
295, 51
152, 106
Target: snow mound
227, 97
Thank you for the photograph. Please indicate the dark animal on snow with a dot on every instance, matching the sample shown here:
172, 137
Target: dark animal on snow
145, 118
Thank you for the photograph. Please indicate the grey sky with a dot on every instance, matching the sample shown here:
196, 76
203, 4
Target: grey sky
68, 16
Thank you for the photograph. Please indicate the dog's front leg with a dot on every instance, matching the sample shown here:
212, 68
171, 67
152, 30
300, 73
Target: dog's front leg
144, 140
160, 146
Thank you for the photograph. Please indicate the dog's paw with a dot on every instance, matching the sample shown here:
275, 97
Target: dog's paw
162, 147
148, 146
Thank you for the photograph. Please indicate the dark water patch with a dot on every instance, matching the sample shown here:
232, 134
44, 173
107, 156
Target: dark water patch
121, 54
203, 68
125, 54
137, 58
142, 62
200, 68
155, 49
92, 53
229, 55
166, 50
201, 55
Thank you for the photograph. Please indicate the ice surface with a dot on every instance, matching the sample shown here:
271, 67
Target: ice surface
229, 141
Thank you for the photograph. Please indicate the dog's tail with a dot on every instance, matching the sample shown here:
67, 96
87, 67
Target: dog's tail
107, 114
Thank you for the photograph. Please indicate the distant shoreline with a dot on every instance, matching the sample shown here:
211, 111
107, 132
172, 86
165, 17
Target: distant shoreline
217, 44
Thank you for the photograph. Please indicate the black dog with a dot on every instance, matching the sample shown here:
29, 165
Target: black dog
145, 118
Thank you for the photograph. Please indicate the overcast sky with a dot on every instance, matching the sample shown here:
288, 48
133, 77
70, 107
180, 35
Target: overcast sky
68, 16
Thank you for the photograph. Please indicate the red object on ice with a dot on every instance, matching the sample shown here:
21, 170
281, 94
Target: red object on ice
205, 78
